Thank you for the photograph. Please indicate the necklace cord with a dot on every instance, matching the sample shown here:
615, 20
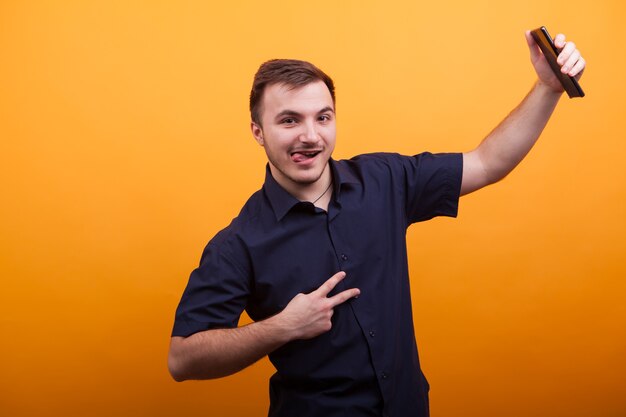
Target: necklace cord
325, 191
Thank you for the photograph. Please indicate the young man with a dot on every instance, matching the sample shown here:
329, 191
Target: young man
318, 258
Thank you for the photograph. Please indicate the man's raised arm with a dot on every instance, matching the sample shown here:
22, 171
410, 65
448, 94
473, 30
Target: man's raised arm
513, 138
220, 352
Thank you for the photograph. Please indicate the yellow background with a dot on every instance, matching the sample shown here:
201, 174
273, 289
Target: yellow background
125, 147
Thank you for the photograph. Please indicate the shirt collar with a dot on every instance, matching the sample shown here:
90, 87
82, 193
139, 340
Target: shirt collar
281, 201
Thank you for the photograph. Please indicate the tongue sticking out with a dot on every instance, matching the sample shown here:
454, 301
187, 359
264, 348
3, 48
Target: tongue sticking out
299, 157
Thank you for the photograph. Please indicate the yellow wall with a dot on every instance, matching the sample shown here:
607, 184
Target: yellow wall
125, 146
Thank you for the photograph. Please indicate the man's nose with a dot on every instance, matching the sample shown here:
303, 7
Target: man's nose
310, 133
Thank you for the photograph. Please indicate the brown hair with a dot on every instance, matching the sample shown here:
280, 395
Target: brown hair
291, 72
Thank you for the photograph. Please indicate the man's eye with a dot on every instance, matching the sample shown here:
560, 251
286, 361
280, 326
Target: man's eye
324, 118
289, 120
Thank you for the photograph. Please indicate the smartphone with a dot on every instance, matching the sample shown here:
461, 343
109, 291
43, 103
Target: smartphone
543, 39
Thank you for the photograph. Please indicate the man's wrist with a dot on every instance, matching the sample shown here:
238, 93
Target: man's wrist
279, 330
548, 91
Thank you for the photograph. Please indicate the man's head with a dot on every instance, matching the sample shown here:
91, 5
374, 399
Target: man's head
293, 117
290, 72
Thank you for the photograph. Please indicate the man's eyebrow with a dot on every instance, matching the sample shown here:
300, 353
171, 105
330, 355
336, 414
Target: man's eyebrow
288, 112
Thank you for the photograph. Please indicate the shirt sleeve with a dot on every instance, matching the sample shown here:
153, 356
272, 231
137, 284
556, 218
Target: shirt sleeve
430, 184
433, 185
217, 291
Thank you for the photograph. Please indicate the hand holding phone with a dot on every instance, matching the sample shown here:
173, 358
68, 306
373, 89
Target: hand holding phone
543, 39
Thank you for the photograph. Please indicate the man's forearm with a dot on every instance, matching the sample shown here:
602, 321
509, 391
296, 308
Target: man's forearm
505, 147
220, 352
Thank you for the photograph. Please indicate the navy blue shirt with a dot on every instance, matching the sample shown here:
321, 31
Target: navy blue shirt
367, 364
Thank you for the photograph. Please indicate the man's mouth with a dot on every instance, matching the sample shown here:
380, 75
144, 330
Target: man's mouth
301, 156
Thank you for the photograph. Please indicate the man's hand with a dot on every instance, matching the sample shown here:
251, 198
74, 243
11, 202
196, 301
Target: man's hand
219, 352
511, 140
569, 58
308, 315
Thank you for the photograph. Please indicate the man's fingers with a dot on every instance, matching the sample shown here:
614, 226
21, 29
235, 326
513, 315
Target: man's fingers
577, 70
328, 286
559, 41
566, 52
571, 61
529, 38
344, 296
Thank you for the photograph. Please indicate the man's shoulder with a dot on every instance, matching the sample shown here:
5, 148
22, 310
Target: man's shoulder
387, 159
364, 168
246, 222
366, 160
379, 158
252, 210
375, 161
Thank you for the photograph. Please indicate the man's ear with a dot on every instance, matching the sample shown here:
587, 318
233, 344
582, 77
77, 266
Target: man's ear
257, 132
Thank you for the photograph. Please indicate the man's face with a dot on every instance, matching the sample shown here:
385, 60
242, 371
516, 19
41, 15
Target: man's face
298, 132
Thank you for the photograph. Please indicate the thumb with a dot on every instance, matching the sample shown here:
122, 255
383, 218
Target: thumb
535, 52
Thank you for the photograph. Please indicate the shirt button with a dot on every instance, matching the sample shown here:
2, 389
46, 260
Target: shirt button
384, 375
344, 257
372, 333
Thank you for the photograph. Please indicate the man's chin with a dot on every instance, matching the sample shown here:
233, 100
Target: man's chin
305, 180
300, 177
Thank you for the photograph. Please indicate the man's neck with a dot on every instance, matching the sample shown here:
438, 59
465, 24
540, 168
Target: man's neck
318, 192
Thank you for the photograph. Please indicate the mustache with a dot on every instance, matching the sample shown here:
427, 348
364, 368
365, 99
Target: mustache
306, 149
